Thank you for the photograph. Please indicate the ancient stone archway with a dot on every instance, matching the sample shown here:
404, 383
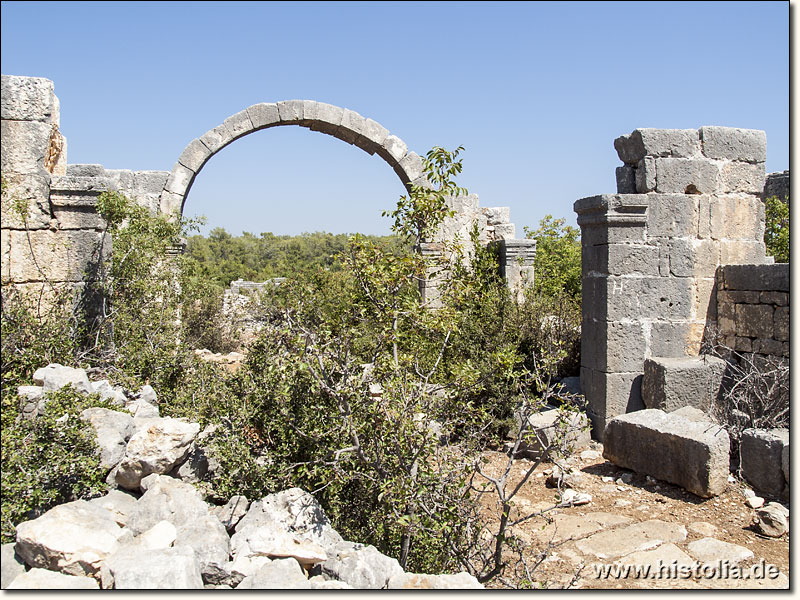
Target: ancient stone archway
342, 123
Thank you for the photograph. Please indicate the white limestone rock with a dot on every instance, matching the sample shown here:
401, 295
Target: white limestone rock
135, 567
54, 376
42, 579
113, 430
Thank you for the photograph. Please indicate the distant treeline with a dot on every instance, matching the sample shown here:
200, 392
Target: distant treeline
223, 258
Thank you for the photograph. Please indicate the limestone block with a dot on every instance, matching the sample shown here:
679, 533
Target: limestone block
497, 215
672, 215
690, 258
773, 277
375, 133
194, 156
677, 143
612, 346
275, 541
776, 298
112, 430
119, 504
73, 538
742, 177
170, 203
762, 458
393, 149
693, 455
11, 565
264, 114
669, 338
85, 170
328, 119
505, 231
26, 201
290, 111
686, 176
767, 346
551, 428
631, 298
360, 566
239, 124
730, 143
781, 323
410, 167
57, 256
43, 579
23, 146
755, 320
180, 179
620, 259
310, 111
279, 574
645, 175
626, 180
216, 139
136, 568
734, 252
633, 538
708, 550
672, 383
737, 218
28, 99
609, 395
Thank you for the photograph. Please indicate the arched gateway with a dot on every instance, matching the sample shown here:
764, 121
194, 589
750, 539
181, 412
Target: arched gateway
342, 123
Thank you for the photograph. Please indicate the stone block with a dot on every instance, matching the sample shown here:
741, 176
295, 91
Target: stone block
690, 258
742, 344
24, 146
149, 183
768, 347
645, 175
264, 114
216, 139
393, 149
57, 256
754, 320
505, 231
669, 338
679, 143
170, 203
86, 170
26, 201
781, 323
774, 277
552, 426
762, 458
410, 167
705, 305
497, 215
239, 124
742, 177
195, 155
737, 218
290, 111
310, 111
739, 296
686, 176
672, 383
608, 395
735, 252
672, 215
730, 143
351, 127
626, 180
179, 180
612, 346
28, 99
631, 298
776, 298
620, 259
785, 460
328, 119
373, 134
691, 454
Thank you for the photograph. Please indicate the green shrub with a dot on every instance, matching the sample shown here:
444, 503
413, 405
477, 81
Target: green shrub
776, 233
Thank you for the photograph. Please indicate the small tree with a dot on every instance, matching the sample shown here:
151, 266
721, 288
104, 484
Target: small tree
776, 232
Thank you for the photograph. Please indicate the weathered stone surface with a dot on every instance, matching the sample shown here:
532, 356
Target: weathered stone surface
283, 573
550, 429
678, 143
31, 192
32, 400
694, 456
318, 582
711, 550
672, 383
774, 277
230, 514
762, 458
271, 540
28, 99
11, 565
421, 581
195, 155
665, 554
566, 527
263, 114
360, 566
155, 449
612, 346
239, 124
23, 146
731, 143
673, 215
161, 535
772, 520
637, 537
73, 538
626, 180
785, 459
118, 503
686, 176
609, 395
137, 568
113, 430
703, 528
290, 111
693, 414
393, 149
742, 177
115, 395
207, 537
55, 255
294, 511
54, 376
166, 499
42, 579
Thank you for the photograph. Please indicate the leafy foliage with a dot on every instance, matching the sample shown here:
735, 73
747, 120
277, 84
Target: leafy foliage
557, 266
776, 233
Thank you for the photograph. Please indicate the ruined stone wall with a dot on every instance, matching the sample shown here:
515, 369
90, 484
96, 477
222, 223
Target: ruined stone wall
753, 308
688, 202
777, 184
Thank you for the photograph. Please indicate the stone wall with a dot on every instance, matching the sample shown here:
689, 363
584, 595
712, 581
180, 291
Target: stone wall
753, 308
688, 202
777, 184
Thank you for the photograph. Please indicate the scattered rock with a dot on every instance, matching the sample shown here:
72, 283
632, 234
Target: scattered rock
755, 502
360, 566
762, 459
703, 528
590, 455
114, 395
42, 579
622, 503
113, 430
420, 581
571, 497
636, 537
133, 567
563, 478
161, 535
11, 565
772, 520
54, 376
284, 573
230, 514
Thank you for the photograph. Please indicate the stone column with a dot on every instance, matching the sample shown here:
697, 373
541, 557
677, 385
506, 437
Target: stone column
687, 202
516, 265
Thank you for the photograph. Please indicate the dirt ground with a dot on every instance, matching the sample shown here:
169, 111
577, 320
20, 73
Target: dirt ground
727, 516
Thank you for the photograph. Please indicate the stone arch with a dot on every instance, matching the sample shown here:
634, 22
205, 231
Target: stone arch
342, 123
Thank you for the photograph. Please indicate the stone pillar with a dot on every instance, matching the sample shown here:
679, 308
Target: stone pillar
432, 254
516, 259
687, 202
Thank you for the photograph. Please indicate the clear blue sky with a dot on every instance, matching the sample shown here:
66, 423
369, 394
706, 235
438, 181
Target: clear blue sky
536, 92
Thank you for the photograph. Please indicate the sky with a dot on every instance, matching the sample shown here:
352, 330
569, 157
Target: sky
536, 92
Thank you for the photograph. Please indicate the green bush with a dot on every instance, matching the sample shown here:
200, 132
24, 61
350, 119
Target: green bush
776, 233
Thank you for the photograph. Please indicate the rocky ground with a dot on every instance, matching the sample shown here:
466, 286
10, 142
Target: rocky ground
635, 520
